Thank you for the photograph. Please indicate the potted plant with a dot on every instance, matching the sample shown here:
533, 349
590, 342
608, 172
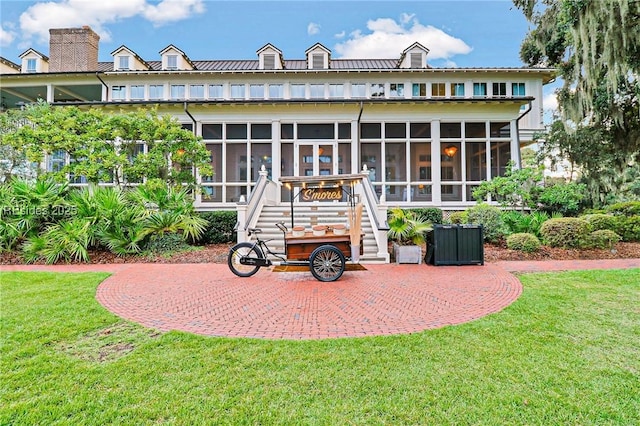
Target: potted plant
407, 231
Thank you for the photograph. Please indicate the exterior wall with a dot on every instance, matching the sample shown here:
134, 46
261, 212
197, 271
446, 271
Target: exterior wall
73, 49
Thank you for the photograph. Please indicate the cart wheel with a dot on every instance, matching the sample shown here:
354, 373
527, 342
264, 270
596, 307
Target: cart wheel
241, 250
327, 263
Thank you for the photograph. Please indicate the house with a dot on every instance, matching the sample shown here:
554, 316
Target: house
426, 136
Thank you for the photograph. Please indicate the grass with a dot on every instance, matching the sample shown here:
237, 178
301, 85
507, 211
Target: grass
566, 352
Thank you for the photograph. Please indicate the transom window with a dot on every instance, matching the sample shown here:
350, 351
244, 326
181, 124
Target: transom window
237, 91
499, 89
377, 90
177, 91
396, 90
457, 89
156, 91
437, 90
358, 90
215, 91
196, 91
419, 90
336, 91
137, 91
118, 92
479, 89
517, 89
256, 91
276, 91
297, 91
316, 91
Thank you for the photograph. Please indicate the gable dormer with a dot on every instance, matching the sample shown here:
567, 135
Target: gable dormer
174, 59
125, 59
270, 58
8, 67
34, 61
414, 56
318, 57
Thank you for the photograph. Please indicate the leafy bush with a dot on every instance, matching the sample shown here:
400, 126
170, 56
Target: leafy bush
603, 238
429, 214
523, 241
459, 218
601, 221
66, 240
220, 228
518, 222
629, 208
566, 232
490, 217
166, 242
565, 198
628, 228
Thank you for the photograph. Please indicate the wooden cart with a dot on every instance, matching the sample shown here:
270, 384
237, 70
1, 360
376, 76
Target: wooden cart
326, 255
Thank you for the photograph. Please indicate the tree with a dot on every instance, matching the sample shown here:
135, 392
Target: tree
103, 147
595, 45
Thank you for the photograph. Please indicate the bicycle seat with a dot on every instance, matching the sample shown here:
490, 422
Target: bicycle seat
255, 230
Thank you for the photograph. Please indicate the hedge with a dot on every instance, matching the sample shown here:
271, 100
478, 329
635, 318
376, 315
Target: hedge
221, 227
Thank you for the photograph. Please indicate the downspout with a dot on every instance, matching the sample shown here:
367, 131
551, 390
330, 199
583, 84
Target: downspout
193, 120
527, 111
104, 84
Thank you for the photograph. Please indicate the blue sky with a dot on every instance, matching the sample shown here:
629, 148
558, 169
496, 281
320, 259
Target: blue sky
459, 33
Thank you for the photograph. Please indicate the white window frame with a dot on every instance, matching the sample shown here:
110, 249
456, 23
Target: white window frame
276, 91
133, 90
32, 65
172, 62
358, 87
175, 90
238, 91
118, 93
256, 91
123, 63
213, 89
193, 89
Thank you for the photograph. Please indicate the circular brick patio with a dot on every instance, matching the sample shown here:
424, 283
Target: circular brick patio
387, 299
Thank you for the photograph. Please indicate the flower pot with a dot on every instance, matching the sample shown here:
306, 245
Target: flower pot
339, 229
407, 254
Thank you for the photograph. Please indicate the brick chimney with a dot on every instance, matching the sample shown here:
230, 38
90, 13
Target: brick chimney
73, 49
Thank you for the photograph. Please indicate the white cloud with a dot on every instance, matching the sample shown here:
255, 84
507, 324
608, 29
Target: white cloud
550, 101
341, 34
36, 21
313, 28
6, 37
388, 38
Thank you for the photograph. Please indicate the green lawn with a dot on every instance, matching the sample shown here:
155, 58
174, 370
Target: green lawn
567, 352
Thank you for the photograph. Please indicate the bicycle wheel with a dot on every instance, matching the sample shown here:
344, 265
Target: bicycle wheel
327, 263
243, 250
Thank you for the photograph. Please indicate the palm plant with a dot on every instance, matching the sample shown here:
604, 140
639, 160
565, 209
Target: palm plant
407, 227
66, 240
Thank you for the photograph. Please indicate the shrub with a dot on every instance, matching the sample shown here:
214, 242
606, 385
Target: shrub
566, 232
490, 218
523, 241
517, 222
603, 238
601, 221
458, 218
166, 242
220, 228
628, 228
429, 214
565, 198
629, 208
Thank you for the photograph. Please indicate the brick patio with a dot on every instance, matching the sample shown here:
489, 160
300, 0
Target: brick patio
208, 299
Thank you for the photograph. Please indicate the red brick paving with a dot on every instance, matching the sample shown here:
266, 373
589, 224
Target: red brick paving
208, 299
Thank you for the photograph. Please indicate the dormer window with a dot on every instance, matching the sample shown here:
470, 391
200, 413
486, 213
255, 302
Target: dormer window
317, 61
31, 65
270, 58
123, 63
416, 60
172, 62
414, 57
318, 57
269, 62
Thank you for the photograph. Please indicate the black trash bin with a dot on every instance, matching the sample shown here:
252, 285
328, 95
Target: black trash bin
455, 245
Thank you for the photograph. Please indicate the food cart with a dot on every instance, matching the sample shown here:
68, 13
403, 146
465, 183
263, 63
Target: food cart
325, 249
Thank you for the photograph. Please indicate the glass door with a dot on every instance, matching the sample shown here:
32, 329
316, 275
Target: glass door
316, 158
